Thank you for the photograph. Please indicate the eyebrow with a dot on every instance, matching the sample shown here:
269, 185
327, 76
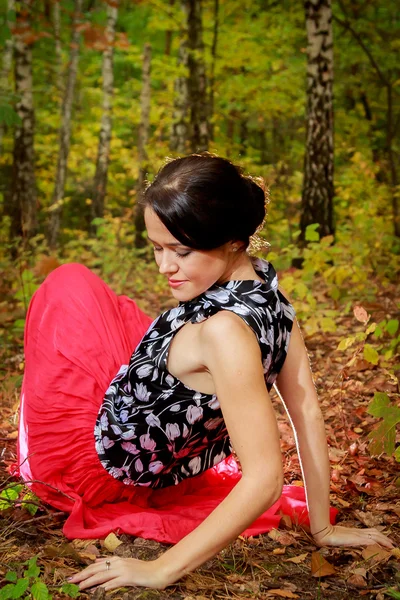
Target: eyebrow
173, 244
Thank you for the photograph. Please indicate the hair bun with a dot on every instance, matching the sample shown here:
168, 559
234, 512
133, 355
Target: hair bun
256, 201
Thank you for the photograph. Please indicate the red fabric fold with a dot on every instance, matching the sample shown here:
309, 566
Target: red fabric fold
78, 334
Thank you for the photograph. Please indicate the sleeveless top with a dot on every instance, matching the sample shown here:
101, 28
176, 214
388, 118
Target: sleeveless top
152, 429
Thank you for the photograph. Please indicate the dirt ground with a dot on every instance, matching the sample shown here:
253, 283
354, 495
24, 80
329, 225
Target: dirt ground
284, 563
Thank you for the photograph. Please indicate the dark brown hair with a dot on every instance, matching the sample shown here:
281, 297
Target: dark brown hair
205, 201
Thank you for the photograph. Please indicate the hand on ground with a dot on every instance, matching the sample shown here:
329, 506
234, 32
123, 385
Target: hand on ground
335, 535
114, 572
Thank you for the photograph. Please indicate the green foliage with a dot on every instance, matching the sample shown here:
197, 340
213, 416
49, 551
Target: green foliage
15, 493
9, 495
383, 437
27, 582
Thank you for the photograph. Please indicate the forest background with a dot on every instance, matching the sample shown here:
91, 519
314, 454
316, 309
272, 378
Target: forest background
96, 94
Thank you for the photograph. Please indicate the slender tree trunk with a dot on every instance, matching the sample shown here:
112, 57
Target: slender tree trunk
198, 102
58, 48
143, 140
23, 189
317, 196
103, 153
392, 161
212, 72
168, 34
180, 125
65, 130
7, 63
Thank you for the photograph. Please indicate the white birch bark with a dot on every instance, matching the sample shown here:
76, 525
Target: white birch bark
103, 153
65, 131
318, 190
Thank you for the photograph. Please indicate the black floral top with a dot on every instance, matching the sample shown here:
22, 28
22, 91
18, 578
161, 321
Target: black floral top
152, 429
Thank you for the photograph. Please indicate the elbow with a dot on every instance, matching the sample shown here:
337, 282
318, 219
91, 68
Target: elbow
268, 487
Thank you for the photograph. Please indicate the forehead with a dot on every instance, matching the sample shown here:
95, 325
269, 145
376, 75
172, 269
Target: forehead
156, 229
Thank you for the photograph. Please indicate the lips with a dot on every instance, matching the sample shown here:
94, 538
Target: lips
175, 282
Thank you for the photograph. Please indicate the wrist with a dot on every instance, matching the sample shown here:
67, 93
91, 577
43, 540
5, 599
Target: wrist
168, 572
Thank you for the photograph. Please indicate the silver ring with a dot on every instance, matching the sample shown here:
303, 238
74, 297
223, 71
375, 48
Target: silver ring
108, 564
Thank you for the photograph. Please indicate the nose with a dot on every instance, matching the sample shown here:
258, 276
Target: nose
167, 264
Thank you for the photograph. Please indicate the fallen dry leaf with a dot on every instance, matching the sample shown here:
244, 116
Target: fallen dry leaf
282, 537
357, 581
395, 552
320, 567
66, 551
361, 314
297, 559
111, 542
279, 550
282, 593
369, 519
375, 553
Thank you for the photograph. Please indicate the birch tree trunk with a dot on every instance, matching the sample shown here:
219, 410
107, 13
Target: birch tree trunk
198, 100
103, 152
317, 195
65, 130
7, 63
180, 121
58, 48
143, 139
23, 189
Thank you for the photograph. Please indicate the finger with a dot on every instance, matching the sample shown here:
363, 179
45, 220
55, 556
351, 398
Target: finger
114, 584
97, 579
93, 569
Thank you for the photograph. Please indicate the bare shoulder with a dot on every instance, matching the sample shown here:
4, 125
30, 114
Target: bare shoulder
226, 334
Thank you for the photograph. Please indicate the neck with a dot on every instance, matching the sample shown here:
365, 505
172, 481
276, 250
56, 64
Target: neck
241, 268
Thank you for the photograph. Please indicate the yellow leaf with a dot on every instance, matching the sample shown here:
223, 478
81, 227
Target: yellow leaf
297, 559
112, 542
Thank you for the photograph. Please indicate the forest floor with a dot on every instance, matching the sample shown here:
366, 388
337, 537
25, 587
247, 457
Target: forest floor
284, 563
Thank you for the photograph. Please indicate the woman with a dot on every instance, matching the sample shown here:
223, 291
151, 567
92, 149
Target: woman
195, 388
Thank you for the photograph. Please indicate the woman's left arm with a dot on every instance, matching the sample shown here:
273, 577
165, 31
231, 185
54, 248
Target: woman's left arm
231, 354
296, 386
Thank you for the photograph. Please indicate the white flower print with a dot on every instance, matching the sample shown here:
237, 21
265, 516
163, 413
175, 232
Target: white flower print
176, 324
239, 309
195, 465
175, 312
258, 298
185, 431
147, 442
116, 429
165, 395
115, 472
129, 434
99, 447
141, 392
169, 380
193, 414
104, 421
154, 334
124, 415
172, 430
153, 420
175, 407
214, 403
144, 370
156, 466
107, 443
218, 457
197, 398
219, 295
138, 465
129, 447
155, 374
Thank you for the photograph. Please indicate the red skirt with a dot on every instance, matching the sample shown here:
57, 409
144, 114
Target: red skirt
78, 334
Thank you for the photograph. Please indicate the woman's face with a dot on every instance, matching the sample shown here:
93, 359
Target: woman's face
189, 272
